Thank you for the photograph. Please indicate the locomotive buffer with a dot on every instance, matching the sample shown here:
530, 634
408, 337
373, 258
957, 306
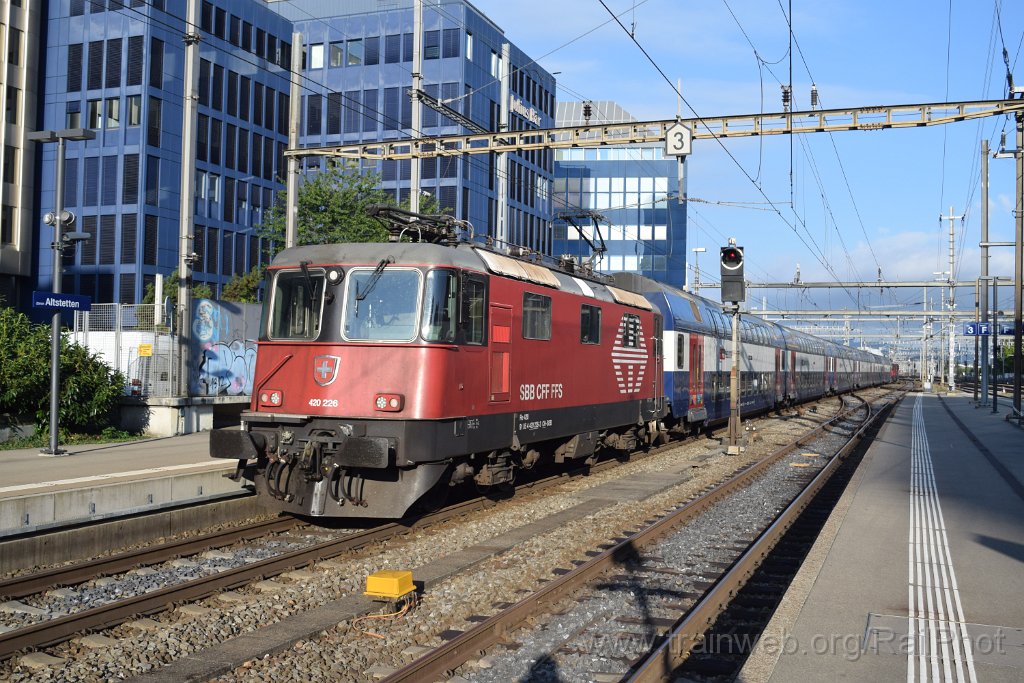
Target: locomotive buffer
733, 291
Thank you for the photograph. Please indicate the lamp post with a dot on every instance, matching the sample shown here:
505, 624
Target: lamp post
60, 216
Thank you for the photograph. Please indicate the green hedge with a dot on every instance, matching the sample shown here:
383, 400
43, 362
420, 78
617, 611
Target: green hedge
89, 392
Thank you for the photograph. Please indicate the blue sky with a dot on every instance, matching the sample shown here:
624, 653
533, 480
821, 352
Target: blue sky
868, 199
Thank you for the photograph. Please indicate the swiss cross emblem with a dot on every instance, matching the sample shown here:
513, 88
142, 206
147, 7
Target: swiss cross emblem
325, 369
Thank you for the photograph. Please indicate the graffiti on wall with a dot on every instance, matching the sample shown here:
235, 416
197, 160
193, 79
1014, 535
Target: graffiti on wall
223, 348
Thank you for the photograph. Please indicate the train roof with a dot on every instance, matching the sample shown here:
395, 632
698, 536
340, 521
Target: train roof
464, 255
688, 312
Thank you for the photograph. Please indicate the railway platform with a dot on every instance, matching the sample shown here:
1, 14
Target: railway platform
917, 575
96, 482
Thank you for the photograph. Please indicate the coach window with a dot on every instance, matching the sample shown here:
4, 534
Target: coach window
297, 304
680, 351
590, 324
536, 316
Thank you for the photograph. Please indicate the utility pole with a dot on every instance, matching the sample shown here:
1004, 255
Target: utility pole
417, 109
501, 167
291, 227
952, 300
1018, 257
186, 202
983, 303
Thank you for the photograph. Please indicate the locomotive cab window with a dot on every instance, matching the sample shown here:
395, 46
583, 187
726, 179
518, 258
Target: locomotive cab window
297, 304
381, 304
590, 324
536, 316
453, 308
440, 306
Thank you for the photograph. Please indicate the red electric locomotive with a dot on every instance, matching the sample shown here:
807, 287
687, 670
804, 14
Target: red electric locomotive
389, 371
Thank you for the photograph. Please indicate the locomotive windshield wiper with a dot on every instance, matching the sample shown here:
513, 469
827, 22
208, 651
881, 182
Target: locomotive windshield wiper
310, 287
374, 277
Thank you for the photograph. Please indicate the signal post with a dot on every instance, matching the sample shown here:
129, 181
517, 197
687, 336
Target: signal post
733, 291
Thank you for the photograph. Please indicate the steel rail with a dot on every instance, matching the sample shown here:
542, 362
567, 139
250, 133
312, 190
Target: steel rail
689, 630
29, 584
434, 664
59, 630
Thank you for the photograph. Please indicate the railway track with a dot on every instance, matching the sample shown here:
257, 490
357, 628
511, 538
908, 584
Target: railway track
646, 578
62, 628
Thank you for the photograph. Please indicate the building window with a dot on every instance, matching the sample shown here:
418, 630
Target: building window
372, 51
536, 316
450, 45
114, 113
10, 164
406, 47
213, 187
355, 52
134, 109
94, 113
590, 324
74, 78
114, 63
316, 56
431, 44
11, 105
337, 54
6, 224
156, 63
495, 64
392, 49
74, 114
155, 122
14, 47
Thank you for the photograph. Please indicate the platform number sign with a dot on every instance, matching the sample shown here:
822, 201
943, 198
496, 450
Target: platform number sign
678, 140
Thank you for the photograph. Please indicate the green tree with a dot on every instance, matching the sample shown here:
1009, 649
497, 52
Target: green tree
244, 287
332, 208
200, 290
89, 388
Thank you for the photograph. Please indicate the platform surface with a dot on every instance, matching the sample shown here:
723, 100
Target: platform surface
92, 482
924, 579
26, 469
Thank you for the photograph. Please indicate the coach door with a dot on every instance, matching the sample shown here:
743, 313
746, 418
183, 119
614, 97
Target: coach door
778, 374
696, 372
501, 353
792, 374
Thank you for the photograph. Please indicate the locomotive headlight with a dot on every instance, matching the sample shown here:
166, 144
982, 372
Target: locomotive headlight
389, 403
334, 276
271, 398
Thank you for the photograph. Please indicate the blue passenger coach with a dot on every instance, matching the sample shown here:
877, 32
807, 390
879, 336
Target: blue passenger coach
778, 366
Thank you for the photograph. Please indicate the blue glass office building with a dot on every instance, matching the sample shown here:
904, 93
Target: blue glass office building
358, 69
116, 67
636, 190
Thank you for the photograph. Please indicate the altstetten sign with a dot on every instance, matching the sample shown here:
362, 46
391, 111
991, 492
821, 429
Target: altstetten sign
63, 302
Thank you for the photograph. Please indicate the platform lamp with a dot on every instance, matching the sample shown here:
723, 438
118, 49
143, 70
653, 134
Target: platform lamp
58, 219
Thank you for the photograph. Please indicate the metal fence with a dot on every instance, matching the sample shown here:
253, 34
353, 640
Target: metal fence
137, 340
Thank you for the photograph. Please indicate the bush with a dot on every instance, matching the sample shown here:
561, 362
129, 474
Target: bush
89, 388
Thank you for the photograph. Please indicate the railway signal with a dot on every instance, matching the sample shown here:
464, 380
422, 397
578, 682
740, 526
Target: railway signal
732, 273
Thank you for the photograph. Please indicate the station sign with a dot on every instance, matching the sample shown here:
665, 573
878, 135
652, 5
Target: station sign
63, 302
